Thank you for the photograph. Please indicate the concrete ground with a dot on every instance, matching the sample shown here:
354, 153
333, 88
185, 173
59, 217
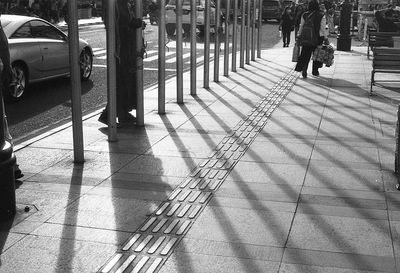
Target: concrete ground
263, 172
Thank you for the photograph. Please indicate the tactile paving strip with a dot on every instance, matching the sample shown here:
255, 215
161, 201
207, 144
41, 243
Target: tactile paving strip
150, 246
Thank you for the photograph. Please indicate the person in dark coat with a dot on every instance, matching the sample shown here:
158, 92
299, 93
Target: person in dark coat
287, 25
320, 31
6, 77
126, 56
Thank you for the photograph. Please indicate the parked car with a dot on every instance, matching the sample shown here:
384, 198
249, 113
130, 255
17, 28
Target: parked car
272, 9
170, 15
39, 51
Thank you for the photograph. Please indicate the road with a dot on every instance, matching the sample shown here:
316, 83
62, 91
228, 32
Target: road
47, 105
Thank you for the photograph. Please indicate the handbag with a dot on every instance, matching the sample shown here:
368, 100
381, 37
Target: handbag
324, 54
296, 52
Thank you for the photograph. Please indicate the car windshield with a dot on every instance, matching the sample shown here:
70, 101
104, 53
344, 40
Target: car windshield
184, 2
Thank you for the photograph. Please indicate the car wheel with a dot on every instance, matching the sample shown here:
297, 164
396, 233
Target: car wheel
170, 28
86, 64
19, 82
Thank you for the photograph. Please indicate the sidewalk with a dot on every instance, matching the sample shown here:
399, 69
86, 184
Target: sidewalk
263, 172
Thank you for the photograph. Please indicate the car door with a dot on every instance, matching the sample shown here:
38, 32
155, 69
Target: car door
54, 47
26, 49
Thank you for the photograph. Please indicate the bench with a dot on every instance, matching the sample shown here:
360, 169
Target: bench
379, 39
386, 60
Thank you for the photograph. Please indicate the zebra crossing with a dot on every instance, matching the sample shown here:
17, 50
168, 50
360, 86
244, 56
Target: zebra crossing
150, 56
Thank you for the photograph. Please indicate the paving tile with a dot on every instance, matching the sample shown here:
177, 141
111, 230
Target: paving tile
245, 226
291, 126
8, 239
194, 145
47, 203
161, 165
339, 261
259, 191
360, 129
141, 181
294, 110
82, 234
344, 193
278, 152
44, 158
228, 249
342, 211
269, 173
341, 234
106, 213
343, 201
196, 263
77, 178
45, 254
219, 201
341, 154
300, 268
337, 113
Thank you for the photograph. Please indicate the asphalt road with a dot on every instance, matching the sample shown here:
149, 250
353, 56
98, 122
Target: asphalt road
47, 105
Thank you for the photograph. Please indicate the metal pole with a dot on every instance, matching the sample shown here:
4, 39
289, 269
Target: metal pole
161, 58
248, 11
259, 28
139, 67
234, 35
217, 45
242, 32
226, 48
193, 64
73, 41
253, 32
206, 76
179, 52
111, 72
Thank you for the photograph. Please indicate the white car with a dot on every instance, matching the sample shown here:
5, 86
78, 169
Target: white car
170, 15
39, 51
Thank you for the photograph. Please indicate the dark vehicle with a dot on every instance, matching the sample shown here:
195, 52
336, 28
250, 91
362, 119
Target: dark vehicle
272, 9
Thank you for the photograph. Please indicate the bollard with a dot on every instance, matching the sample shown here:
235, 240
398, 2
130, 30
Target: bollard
226, 48
234, 35
253, 31
206, 76
193, 47
248, 11
7, 181
217, 43
259, 29
179, 53
242, 32
161, 59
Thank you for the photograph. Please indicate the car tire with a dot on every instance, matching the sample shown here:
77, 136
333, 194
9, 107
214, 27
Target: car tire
86, 64
19, 82
170, 28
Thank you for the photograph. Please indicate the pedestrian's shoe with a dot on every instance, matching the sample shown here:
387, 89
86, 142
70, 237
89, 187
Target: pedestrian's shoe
103, 118
284, 45
315, 73
304, 73
17, 172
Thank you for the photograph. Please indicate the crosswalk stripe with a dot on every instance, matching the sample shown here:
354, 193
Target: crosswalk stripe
98, 52
172, 60
156, 57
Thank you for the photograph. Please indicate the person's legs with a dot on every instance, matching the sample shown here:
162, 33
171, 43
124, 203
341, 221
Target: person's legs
284, 37
315, 67
288, 38
304, 59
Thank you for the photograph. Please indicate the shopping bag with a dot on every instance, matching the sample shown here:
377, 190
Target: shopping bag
324, 54
296, 53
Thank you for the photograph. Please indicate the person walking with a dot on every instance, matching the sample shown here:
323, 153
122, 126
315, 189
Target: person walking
6, 77
298, 12
287, 25
312, 32
127, 54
